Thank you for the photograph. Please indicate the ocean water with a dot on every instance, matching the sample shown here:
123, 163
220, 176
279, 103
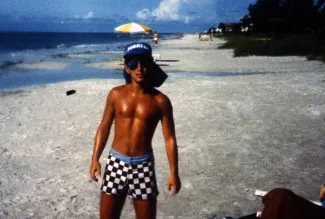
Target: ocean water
28, 46
32, 47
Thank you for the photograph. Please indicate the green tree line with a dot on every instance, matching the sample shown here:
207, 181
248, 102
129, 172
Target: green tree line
287, 16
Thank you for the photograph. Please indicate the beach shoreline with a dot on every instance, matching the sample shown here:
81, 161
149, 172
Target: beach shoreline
235, 134
191, 55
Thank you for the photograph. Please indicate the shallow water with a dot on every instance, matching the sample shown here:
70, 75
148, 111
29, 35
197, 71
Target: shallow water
73, 67
38, 77
45, 62
78, 71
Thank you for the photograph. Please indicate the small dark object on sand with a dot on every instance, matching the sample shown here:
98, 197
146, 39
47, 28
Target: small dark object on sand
69, 92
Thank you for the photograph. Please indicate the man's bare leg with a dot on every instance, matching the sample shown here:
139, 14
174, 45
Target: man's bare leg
145, 209
111, 206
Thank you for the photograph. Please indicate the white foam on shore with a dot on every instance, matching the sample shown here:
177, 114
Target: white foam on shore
91, 54
43, 66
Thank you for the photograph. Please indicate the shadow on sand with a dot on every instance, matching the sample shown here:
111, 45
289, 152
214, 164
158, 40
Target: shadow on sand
166, 60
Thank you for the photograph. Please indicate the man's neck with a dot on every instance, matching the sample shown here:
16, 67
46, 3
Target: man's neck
138, 89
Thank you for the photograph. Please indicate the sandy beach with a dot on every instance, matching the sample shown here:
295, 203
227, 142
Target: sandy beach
260, 127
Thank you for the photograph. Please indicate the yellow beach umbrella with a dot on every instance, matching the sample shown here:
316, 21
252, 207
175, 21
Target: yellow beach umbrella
133, 28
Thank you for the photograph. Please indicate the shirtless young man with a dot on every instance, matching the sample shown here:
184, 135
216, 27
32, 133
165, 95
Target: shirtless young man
137, 108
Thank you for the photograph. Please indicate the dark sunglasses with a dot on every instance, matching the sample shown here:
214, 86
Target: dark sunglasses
133, 63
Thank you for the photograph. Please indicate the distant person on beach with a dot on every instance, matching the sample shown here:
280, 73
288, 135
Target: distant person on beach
155, 38
137, 107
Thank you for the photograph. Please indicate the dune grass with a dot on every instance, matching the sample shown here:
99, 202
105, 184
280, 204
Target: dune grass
311, 48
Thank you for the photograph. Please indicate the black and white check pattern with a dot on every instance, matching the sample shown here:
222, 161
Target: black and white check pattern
139, 181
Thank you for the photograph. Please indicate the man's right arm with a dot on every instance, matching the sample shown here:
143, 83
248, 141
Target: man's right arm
102, 135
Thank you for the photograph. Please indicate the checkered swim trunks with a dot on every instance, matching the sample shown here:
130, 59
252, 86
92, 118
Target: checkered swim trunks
137, 180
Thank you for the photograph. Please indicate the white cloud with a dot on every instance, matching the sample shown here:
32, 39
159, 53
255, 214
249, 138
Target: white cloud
168, 10
178, 10
187, 19
143, 14
89, 15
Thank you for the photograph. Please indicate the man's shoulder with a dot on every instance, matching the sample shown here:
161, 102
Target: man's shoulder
116, 91
161, 98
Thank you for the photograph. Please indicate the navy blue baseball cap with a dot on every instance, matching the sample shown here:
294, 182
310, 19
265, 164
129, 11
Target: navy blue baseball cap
138, 48
158, 76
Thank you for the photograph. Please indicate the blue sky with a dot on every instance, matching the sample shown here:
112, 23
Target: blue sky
104, 15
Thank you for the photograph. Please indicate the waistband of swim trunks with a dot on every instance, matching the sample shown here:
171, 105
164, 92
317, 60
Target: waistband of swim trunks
131, 160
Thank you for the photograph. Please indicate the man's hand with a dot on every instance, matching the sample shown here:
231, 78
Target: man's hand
174, 182
95, 167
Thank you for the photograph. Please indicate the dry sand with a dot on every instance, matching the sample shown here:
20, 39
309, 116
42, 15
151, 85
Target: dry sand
235, 134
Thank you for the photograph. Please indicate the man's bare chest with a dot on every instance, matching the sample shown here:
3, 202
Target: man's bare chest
140, 108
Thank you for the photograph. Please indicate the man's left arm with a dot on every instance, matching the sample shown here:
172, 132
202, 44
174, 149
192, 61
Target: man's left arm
168, 128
